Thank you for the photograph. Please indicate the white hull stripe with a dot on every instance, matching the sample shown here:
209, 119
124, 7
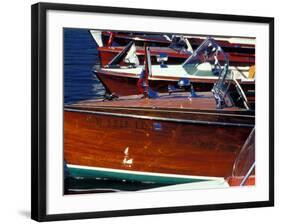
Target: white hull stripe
143, 173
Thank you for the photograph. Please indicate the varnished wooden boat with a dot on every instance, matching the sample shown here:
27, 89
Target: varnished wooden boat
172, 139
198, 69
178, 49
122, 83
229, 44
109, 38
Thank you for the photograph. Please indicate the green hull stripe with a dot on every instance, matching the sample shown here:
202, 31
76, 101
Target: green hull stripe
89, 173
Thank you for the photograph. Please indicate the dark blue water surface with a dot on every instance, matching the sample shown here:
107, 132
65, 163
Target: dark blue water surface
80, 54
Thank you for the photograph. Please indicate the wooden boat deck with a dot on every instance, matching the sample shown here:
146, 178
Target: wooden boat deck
178, 107
178, 101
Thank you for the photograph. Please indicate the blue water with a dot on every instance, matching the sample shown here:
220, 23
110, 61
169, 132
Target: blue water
80, 54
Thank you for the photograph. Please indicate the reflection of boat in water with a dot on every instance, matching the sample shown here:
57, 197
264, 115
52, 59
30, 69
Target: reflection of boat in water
201, 69
174, 138
241, 51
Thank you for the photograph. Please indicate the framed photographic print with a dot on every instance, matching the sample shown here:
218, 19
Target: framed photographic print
138, 111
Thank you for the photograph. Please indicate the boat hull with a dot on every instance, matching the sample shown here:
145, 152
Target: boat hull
124, 84
136, 176
191, 144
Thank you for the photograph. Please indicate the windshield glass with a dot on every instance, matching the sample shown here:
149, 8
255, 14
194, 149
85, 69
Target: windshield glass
207, 60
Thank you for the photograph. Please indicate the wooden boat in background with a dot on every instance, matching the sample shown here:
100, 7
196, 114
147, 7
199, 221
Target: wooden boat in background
241, 51
111, 38
201, 69
123, 82
106, 54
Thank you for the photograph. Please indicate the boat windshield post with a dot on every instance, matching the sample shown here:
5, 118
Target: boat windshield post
143, 82
221, 88
110, 39
221, 68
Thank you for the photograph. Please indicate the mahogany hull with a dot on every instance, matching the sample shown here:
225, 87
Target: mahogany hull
204, 145
123, 39
226, 45
237, 181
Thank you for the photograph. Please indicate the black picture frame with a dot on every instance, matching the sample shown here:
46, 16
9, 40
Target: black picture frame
38, 108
